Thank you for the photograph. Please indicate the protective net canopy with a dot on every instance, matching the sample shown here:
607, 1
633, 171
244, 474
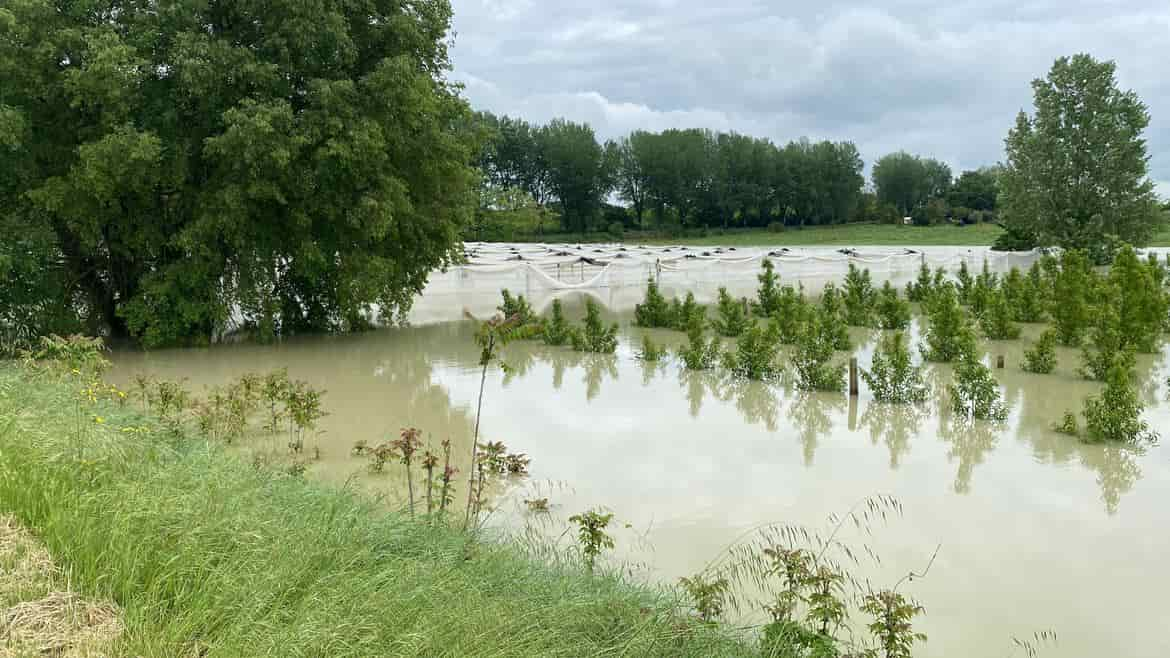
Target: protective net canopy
616, 275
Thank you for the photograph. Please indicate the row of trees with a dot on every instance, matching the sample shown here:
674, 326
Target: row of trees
700, 178
687, 177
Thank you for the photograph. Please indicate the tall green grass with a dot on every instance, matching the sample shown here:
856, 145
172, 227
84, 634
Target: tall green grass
211, 556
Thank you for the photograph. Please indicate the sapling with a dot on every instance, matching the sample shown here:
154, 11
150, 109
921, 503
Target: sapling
683, 313
1106, 346
708, 595
985, 286
755, 355
860, 298
591, 535
966, 283
1115, 415
732, 318
1073, 287
1136, 291
832, 317
892, 624
557, 330
919, 289
792, 311
996, 319
654, 311
595, 336
893, 377
406, 445
768, 294
813, 356
975, 392
892, 311
1041, 356
948, 332
699, 353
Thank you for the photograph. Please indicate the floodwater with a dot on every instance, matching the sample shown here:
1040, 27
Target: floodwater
1037, 531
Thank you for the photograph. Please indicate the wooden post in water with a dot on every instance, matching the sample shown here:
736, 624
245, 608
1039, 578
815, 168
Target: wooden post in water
999, 362
853, 377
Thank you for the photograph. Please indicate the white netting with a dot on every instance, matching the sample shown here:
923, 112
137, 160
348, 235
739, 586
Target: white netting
616, 274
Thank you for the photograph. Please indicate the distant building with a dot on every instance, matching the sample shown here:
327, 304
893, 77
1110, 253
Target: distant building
907, 221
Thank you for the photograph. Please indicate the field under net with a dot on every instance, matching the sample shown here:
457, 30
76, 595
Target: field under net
615, 275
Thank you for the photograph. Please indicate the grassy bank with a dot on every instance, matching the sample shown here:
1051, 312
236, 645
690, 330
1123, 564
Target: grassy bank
841, 235
210, 556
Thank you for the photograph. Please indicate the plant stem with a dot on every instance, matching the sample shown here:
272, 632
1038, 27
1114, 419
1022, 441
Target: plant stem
475, 436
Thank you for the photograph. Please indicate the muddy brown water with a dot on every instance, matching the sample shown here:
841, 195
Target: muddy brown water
1037, 530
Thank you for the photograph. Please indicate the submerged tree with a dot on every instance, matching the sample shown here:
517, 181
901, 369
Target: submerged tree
860, 297
893, 377
291, 164
996, 320
768, 294
1040, 358
1135, 289
699, 353
654, 311
792, 311
813, 357
975, 393
755, 355
1073, 287
832, 317
1115, 415
1106, 346
948, 333
594, 335
892, 311
732, 317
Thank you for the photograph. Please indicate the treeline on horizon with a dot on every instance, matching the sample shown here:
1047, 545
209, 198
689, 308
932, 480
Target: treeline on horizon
560, 177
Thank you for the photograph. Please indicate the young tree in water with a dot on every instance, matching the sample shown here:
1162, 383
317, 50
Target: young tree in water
1077, 170
290, 162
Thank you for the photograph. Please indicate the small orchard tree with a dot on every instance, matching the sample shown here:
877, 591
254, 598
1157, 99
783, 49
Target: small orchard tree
755, 355
833, 317
699, 353
557, 330
893, 312
919, 289
594, 335
1106, 346
860, 298
996, 320
686, 312
1073, 288
893, 377
1040, 358
654, 311
768, 294
966, 283
948, 332
974, 392
981, 292
732, 317
792, 312
1115, 415
813, 357
1137, 292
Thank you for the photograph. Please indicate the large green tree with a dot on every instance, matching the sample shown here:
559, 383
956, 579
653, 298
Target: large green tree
907, 181
287, 163
1076, 171
577, 171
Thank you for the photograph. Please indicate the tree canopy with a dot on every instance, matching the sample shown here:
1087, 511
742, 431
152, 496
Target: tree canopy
1076, 172
907, 181
286, 163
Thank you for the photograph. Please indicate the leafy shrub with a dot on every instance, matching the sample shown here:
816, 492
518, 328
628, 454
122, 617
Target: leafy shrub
893, 312
698, 353
1136, 290
983, 289
1041, 357
975, 392
1073, 288
814, 354
684, 313
591, 535
948, 333
755, 355
792, 312
557, 330
996, 319
594, 336
732, 318
891, 626
919, 289
708, 595
768, 294
1115, 415
966, 283
892, 377
860, 297
654, 311
833, 317
1106, 346
516, 308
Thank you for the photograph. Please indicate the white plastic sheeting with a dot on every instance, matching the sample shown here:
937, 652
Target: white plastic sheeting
616, 275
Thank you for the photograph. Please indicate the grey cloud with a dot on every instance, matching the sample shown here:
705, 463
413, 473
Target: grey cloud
941, 79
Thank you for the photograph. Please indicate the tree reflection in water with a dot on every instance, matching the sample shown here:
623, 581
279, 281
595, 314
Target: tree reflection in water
893, 425
811, 413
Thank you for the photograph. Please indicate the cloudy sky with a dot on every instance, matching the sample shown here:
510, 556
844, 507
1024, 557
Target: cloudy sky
943, 79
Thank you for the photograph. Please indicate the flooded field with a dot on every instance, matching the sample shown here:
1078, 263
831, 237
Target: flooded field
1037, 531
